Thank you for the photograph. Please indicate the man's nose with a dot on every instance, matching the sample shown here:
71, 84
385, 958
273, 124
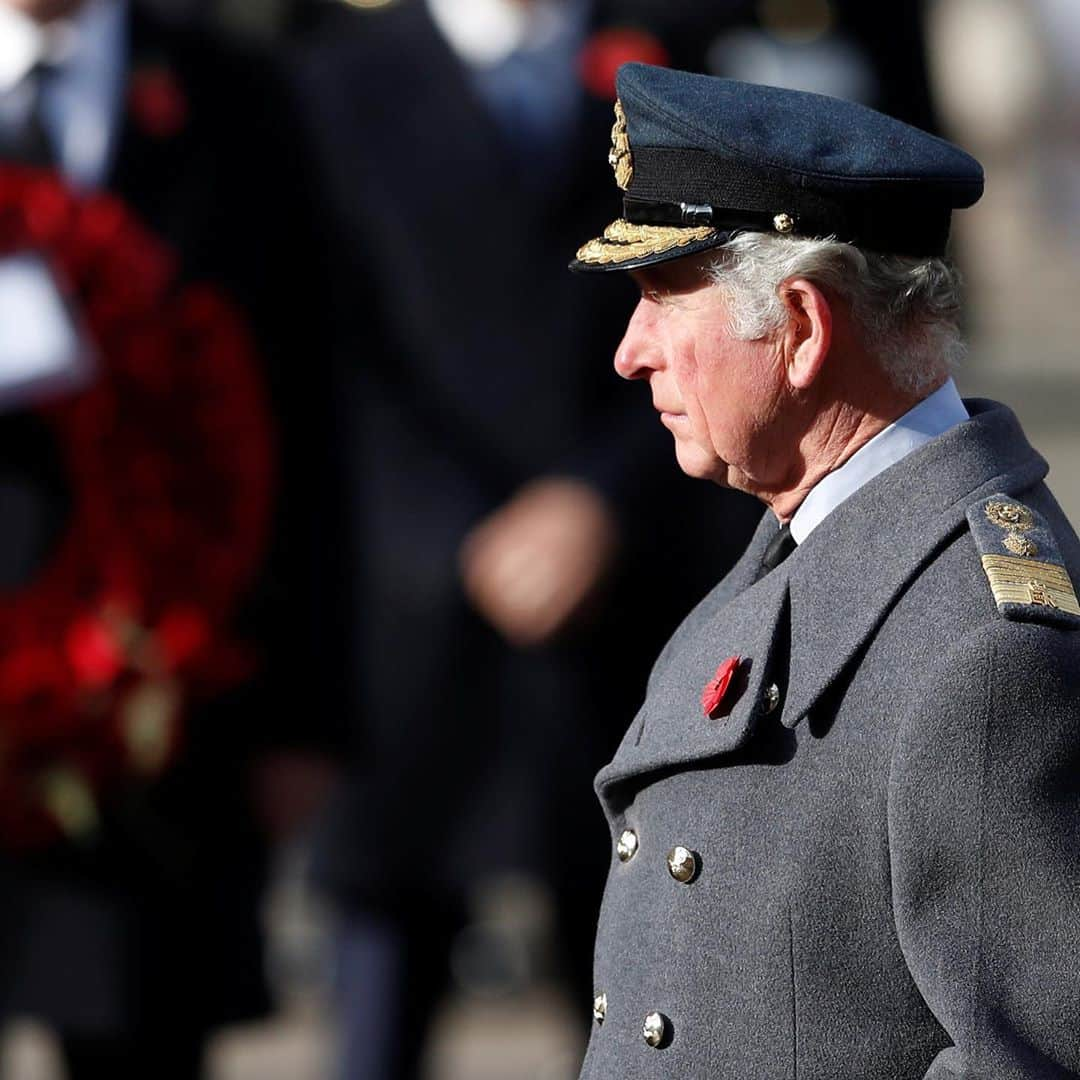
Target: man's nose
633, 356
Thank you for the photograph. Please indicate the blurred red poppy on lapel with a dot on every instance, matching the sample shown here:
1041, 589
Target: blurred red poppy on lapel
157, 101
611, 47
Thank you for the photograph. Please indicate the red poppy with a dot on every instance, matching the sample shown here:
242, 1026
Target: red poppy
47, 210
93, 652
717, 687
181, 635
607, 49
31, 671
157, 102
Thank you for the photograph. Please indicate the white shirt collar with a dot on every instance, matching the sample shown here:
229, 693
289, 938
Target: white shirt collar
24, 43
83, 101
486, 32
933, 416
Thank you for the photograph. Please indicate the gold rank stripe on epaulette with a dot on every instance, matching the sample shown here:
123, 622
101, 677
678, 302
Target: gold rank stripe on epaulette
1016, 580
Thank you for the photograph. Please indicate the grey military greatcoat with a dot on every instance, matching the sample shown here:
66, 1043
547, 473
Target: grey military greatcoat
870, 866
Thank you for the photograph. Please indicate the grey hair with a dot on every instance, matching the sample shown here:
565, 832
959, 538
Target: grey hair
907, 309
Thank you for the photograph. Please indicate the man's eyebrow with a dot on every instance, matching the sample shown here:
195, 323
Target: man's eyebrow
649, 284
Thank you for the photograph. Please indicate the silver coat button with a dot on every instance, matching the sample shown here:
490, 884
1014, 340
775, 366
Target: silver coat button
682, 864
627, 846
599, 1008
654, 1030
771, 698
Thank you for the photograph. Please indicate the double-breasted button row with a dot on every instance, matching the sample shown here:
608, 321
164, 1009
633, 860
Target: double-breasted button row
682, 863
655, 1028
599, 1008
770, 698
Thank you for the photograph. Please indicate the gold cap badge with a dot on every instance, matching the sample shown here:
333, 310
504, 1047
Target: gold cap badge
619, 157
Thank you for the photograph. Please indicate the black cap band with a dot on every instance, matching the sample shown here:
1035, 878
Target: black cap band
684, 188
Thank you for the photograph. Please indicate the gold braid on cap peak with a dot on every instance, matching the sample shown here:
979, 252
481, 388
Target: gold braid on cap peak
623, 241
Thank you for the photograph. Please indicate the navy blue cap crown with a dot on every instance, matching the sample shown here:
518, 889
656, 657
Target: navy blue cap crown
701, 158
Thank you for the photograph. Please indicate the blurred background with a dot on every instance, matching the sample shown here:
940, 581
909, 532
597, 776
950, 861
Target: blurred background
333, 554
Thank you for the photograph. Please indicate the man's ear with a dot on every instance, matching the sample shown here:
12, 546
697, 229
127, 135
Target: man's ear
808, 336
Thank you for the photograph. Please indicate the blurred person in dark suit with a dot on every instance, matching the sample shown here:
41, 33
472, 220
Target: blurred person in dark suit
134, 943
872, 53
505, 495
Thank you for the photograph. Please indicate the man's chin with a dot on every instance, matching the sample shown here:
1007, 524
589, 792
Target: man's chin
699, 465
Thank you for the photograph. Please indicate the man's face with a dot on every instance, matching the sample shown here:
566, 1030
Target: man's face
44, 11
718, 396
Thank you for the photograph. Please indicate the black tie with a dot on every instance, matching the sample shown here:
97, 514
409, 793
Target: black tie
780, 547
27, 141
34, 497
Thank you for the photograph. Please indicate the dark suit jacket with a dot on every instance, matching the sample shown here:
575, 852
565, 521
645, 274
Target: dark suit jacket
887, 866
473, 362
892, 37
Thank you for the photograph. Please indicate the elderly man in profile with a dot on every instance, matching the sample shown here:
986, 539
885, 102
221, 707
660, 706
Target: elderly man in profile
844, 821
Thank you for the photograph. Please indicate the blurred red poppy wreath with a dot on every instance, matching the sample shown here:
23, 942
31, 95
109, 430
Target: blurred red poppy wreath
168, 461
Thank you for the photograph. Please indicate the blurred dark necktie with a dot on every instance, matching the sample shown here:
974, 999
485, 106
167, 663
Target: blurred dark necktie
535, 96
23, 135
34, 497
779, 548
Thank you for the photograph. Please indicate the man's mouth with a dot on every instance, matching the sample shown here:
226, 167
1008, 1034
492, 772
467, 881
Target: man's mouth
669, 418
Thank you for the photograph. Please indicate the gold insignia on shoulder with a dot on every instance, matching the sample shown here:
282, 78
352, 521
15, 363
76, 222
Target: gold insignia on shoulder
1012, 516
783, 223
1020, 545
1024, 581
1038, 593
619, 157
1016, 520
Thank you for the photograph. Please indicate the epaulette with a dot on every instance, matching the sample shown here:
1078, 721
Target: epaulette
1022, 562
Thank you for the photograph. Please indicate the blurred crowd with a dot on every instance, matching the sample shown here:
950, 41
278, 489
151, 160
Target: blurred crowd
328, 537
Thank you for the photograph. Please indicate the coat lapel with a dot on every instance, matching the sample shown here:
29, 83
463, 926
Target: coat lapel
737, 619
150, 152
850, 571
836, 589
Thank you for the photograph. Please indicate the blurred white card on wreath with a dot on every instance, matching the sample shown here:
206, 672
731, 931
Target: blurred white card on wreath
44, 353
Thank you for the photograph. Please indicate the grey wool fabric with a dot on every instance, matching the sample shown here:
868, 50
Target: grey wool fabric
887, 859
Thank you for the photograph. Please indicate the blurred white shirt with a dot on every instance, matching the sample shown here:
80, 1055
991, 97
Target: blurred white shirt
82, 96
485, 32
44, 352
522, 60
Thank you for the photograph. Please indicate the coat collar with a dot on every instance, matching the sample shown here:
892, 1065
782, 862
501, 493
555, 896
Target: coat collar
835, 589
847, 575
671, 729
